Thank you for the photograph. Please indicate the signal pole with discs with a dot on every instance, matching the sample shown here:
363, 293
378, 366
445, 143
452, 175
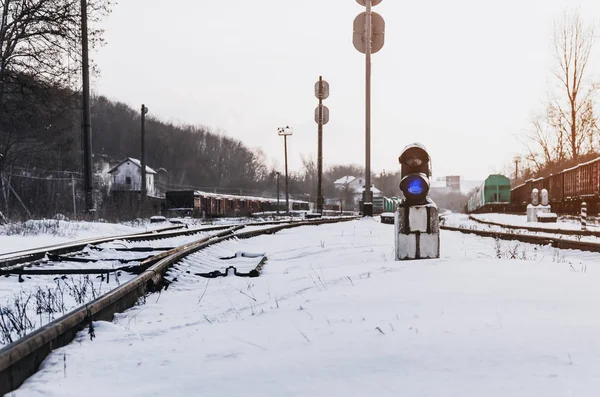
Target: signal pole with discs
321, 118
368, 38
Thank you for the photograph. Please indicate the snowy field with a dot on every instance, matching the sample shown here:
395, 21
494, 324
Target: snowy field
521, 220
334, 315
463, 221
40, 233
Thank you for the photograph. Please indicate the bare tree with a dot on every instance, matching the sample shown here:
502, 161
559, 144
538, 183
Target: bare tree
39, 45
309, 174
548, 143
41, 38
571, 111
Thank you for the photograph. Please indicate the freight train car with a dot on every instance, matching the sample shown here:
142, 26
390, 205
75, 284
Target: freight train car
200, 204
183, 202
567, 189
385, 204
492, 196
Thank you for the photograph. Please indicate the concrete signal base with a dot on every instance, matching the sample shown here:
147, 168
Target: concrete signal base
417, 232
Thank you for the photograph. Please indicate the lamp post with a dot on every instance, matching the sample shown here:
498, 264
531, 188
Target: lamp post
285, 131
277, 192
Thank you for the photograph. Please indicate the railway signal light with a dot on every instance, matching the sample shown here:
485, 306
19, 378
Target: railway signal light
416, 221
415, 173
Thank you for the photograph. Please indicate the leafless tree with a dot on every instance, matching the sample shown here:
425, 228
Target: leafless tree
548, 143
41, 38
40, 49
571, 110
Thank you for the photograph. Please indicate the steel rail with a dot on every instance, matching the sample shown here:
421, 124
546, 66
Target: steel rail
35, 254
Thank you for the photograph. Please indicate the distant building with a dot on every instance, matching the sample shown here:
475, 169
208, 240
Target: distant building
445, 184
127, 177
351, 191
449, 184
453, 182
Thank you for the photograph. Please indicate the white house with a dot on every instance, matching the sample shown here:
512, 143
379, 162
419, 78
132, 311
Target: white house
352, 188
127, 176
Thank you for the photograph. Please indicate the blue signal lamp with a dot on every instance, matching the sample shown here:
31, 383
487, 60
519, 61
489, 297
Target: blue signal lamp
415, 187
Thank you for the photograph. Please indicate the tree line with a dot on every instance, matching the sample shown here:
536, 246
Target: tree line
40, 126
566, 131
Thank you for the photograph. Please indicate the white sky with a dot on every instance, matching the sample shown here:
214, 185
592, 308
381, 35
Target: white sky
463, 77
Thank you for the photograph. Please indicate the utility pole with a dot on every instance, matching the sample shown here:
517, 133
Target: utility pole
321, 118
143, 192
87, 123
368, 38
73, 190
517, 160
285, 131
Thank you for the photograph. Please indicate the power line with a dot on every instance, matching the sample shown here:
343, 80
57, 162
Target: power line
47, 178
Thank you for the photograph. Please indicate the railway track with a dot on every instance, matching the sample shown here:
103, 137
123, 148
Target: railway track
20, 359
566, 232
556, 242
36, 254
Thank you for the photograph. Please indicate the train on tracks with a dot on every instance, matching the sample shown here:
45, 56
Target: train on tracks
567, 189
493, 195
197, 204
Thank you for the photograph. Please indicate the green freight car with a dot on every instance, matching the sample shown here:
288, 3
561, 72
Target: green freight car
385, 204
492, 196
390, 204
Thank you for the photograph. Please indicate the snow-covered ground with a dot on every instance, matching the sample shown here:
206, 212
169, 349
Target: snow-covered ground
334, 315
40, 233
521, 220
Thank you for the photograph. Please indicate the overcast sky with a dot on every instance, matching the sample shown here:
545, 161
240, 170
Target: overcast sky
463, 77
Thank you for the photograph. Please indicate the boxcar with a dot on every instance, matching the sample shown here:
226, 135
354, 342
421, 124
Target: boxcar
183, 202
555, 187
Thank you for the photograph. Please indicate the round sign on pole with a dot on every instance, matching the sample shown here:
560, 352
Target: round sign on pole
324, 112
377, 35
364, 3
322, 89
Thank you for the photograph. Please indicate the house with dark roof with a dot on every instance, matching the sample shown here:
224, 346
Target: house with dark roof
127, 177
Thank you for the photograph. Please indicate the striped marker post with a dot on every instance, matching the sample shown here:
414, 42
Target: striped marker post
583, 215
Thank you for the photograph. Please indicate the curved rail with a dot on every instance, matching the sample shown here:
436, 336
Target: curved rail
22, 358
30, 255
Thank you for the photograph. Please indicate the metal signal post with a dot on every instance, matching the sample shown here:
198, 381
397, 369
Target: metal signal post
321, 118
368, 38
367, 200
